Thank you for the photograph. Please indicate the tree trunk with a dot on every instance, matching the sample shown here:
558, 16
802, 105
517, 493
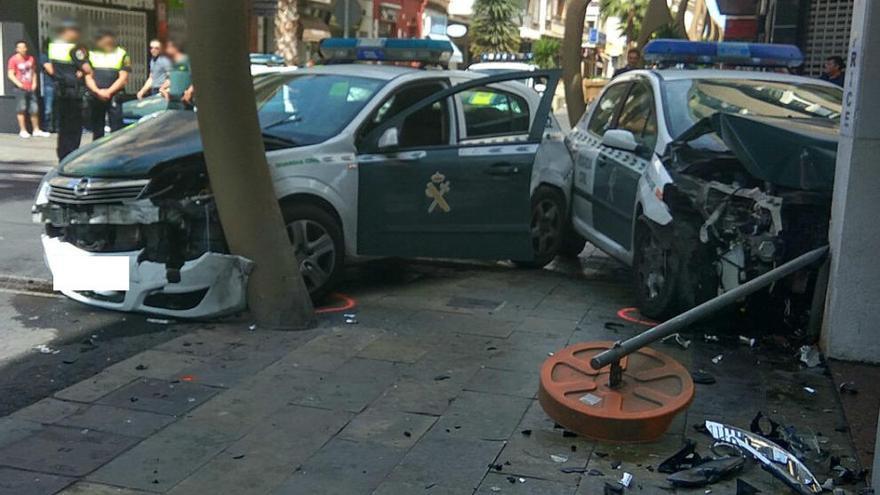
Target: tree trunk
289, 32
236, 162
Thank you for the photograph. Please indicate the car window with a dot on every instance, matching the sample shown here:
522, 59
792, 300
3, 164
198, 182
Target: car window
308, 109
603, 115
428, 126
638, 116
493, 112
690, 100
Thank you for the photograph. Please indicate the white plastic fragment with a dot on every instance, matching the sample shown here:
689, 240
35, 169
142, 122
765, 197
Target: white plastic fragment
810, 356
749, 341
626, 479
717, 359
710, 338
158, 321
558, 458
44, 349
810, 390
252, 327
681, 341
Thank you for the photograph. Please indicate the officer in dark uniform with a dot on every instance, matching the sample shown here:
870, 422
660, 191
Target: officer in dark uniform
110, 69
68, 62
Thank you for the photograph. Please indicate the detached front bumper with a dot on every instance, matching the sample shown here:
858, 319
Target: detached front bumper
210, 285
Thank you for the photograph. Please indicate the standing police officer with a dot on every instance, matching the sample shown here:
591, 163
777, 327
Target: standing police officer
110, 69
68, 62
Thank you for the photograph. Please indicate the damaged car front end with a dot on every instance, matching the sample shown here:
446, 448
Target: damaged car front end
753, 193
162, 218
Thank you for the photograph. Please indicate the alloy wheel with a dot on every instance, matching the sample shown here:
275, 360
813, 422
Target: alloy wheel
315, 251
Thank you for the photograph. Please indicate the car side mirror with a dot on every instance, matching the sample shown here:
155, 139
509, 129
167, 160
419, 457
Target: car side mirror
620, 139
388, 139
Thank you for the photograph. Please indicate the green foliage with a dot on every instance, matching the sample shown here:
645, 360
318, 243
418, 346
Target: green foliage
493, 27
630, 12
546, 51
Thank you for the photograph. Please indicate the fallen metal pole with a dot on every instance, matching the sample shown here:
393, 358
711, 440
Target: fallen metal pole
675, 324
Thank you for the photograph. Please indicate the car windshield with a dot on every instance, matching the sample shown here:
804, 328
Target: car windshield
305, 109
689, 100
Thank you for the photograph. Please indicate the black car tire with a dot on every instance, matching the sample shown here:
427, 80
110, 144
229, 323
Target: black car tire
322, 258
546, 226
572, 244
657, 271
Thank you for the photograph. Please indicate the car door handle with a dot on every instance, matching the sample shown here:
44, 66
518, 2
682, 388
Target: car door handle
502, 169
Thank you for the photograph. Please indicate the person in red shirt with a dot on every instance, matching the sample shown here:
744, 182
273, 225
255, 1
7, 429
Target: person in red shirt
22, 71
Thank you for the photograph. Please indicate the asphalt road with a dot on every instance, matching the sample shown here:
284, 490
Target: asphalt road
23, 162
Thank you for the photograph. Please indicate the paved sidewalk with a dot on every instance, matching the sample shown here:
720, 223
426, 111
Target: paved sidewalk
433, 391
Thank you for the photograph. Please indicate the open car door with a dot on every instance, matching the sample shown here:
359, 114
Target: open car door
463, 196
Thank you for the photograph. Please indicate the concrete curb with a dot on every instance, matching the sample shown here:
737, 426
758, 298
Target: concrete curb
14, 283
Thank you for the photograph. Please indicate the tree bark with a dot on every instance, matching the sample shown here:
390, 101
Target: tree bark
236, 162
289, 32
571, 59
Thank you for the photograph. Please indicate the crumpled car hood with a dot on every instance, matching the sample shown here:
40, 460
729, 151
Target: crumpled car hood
133, 151
793, 153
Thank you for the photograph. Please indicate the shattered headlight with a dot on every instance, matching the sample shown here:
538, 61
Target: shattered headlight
42, 196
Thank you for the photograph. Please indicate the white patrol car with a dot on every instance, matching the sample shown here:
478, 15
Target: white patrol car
367, 160
677, 173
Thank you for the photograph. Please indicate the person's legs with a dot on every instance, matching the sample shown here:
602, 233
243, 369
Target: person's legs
34, 109
69, 125
20, 110
98, 111
48, 111
114, 115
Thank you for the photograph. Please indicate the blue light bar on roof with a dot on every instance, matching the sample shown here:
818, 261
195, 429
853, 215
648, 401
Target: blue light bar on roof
386, 49
725, 52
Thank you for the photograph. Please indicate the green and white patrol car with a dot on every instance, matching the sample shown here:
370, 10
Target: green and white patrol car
367, 160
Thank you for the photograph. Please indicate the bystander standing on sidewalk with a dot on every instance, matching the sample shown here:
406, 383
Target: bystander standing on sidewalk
160, 67
633, 62
835, 70
178, 87
47, 85
22, 70
110, 69
68, 62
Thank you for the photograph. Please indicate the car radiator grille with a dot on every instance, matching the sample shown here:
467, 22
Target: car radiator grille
76, 190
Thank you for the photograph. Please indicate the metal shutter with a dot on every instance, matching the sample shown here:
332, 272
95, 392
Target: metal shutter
827, 32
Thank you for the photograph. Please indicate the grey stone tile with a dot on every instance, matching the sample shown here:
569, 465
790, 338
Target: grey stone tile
343, 467
48, 410
553, 326
156, 364
330, 350
482, 416
203, 342
443, 322
267, 455
354, 386
14, 429
419, 396
518, 383
387, 427
394, 348
117, 420
159, 396
65, 451
441, 465
86, 488
18, 482
231, 367
162, 460
92, 389
502, 483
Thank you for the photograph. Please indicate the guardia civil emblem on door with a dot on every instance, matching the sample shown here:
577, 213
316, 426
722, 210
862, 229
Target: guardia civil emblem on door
436, 190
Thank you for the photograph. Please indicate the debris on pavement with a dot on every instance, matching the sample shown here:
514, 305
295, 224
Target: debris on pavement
159, 321
749, 341
613, 488
717, 359
685, 458
848, 388
710, 338
744, 488
810, 356
707, 472
625, 480
678, 339
558, 458
774, 459
810, 390
44, 349
350, 318
702, 377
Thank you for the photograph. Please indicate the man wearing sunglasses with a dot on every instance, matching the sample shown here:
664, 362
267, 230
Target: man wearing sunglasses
160, 66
